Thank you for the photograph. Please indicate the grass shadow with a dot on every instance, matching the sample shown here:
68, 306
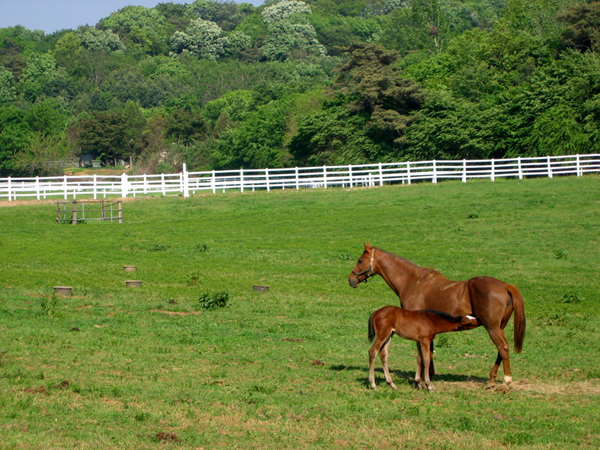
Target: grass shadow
408, 375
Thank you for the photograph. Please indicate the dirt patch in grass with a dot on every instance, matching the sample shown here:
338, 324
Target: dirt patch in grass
175, 313
588, 387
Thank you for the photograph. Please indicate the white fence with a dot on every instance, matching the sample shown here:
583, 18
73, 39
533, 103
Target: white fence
187, 183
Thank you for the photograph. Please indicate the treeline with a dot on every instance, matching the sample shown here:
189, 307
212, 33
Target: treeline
225, 85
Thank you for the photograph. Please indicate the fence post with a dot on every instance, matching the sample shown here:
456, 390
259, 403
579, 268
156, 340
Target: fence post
577, 165
9, 190
380, 175
520, 168
95, 187
124, 188
65, 186
325, 177
267, 179
464, 177
297, 179
408, 171
549, 167
434, 176
350, 174
74, 217
493, 169
242, 180
185, 181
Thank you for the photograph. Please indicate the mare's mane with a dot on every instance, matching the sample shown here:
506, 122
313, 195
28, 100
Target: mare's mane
422, 272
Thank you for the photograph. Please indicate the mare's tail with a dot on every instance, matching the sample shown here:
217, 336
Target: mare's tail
371, 328
520, 322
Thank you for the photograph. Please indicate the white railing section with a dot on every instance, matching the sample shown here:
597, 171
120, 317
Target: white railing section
188, 183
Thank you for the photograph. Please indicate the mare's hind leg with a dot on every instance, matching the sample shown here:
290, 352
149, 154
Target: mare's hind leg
501, 343
383, 354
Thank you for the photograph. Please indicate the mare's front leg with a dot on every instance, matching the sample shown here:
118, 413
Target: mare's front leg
431, 368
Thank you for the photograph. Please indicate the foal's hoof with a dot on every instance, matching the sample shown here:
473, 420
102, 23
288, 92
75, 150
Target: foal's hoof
508, 380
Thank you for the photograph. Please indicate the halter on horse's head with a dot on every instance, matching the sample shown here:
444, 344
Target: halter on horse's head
360, 270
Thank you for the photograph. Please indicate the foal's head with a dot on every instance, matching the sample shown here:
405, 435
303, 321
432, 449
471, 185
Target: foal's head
363, 268
468, 322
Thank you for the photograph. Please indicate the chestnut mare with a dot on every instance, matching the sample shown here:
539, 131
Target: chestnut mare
490, 300
421, 326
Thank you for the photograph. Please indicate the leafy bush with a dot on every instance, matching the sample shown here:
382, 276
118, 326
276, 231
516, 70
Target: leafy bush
572, 297
193, 278
48, 305
201, 248
213, 300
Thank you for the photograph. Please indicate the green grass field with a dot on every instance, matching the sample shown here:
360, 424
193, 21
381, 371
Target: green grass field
118, 367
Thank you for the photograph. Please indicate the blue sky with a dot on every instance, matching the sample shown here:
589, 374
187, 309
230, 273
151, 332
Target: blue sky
54, 15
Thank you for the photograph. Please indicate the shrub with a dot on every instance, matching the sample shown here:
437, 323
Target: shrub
213, 300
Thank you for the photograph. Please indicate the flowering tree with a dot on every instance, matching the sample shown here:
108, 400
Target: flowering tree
283, 10
203, 38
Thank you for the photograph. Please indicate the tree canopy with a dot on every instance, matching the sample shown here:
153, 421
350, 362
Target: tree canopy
219, 84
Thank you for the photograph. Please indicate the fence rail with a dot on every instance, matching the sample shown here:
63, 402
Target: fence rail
187, 183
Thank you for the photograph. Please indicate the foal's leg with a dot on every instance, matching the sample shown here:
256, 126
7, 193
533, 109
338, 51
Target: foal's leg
419, 373
379, 345
383, 354
501, 343
427, 359
372, 355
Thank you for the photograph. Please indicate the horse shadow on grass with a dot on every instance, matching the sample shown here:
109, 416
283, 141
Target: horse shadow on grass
406, 376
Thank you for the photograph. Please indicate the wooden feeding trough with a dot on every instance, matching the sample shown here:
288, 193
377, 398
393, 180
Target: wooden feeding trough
64, 291
260, 288
81, 211
133, 283
129, 268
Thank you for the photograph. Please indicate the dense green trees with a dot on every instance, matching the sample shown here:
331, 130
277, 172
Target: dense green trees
227, 85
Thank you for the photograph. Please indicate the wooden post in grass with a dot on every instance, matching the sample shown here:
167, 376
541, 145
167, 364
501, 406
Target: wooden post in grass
74, 217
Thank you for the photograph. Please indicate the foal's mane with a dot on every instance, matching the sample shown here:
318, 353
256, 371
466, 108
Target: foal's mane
448, 317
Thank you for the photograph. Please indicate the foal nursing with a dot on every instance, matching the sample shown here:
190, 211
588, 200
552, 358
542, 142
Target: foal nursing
421, 326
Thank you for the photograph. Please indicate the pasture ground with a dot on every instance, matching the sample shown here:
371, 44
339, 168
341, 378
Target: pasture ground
116, 367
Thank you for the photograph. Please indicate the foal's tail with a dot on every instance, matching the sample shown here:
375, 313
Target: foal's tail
371, 328
520, 323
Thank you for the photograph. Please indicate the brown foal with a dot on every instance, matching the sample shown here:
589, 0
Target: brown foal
420, 326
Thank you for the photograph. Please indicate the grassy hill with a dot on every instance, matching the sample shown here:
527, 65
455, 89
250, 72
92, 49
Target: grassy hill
113, 366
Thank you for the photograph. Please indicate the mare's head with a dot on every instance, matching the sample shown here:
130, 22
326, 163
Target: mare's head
363, 268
